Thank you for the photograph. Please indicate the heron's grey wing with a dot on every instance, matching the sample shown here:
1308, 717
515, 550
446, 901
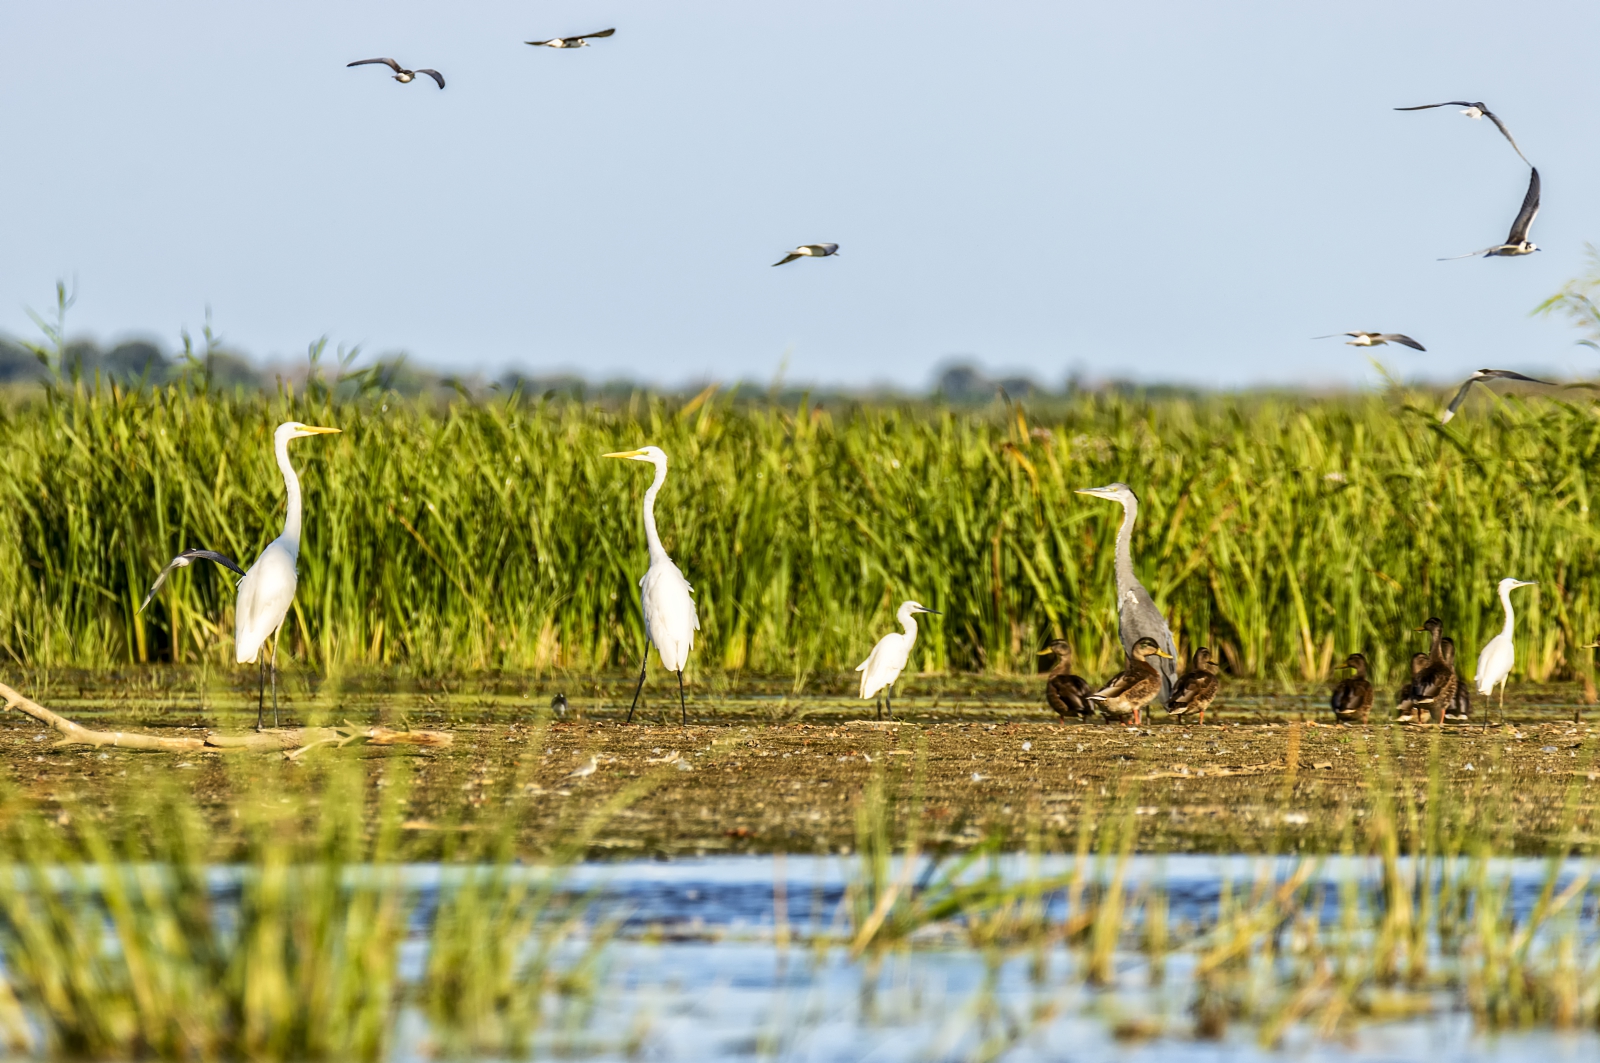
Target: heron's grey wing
1455, 403
790, 257
1491, 116
390, 63
1395, 337
1529, 211
602, 33
435, 75
1431, 106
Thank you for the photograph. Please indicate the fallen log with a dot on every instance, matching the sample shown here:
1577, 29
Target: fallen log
292, 742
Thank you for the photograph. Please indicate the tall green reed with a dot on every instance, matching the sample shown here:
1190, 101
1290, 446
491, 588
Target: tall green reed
491, 534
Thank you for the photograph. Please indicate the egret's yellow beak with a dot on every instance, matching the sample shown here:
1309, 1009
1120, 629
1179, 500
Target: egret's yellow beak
313, 430
625, 454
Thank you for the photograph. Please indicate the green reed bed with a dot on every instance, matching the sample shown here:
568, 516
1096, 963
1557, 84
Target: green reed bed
491, 534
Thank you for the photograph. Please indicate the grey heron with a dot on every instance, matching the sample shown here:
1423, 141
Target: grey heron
1352, 698
1475, 111
1066, 693
580, 41
1479, 376
1517, 242
1197, 688
809, 251
1137, 615
1134, 687
401, 74
1374, 339
665, 597
888, 658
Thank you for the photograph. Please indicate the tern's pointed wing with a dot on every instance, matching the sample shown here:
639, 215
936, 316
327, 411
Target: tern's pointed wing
1395, 337
1506, 374
435, 75
1491, 116
823, 250
1461, 396
1472, 254
790, 257
1529, 211
390, 63
542, 44
182, 561
1431, 106
601, 33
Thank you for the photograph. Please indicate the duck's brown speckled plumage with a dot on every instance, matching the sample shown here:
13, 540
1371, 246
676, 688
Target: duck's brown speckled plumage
1197, 688
1066, 693
1352, 699
1134, 687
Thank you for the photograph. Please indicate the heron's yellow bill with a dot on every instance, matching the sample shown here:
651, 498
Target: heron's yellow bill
625, 454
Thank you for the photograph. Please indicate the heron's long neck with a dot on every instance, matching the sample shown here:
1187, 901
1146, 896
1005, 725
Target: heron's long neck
651, 536
291, 487
1505, 600
1130, 513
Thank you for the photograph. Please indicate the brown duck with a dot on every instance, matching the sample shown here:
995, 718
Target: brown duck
1405, 704
1134, 687
1437, 685
1352, 698
1197, 688
1066, 693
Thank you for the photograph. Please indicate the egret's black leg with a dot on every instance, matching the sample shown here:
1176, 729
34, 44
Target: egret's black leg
274, 682
682, 704
888, 705
642, 665
878, 706
261, 688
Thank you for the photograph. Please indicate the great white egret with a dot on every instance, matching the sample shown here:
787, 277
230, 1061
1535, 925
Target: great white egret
888, 658
1499, 654
1137, 615
665, 597
267, 590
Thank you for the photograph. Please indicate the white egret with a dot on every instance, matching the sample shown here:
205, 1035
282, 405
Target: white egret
888, 658
665, 597
267, 590
1499, 654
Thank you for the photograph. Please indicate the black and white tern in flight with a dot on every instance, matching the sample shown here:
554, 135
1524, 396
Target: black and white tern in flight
1374, 339
183, 560
580, 41
809, 251
1517, 242
1475, 110
1481, 375
401, 74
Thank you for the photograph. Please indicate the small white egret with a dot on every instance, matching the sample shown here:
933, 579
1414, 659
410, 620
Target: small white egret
888, 658
665, 597
267, 590
1499, 654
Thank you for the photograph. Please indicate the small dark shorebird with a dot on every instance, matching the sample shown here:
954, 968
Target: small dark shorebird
1134, 687
580, 41
1066, 693
1197, 688
1352, 698
809, 251
401, 74
1475, 111
1374, 339
1517, 242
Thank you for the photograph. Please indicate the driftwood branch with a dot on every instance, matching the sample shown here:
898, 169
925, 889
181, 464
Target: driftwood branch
292, 742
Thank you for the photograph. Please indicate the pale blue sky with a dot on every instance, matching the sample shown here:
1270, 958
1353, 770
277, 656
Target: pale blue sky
1170, 191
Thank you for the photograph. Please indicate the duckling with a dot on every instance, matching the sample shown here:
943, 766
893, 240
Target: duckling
1066, 693
1437, 685
1197, 688
1134, 687
1405, 698
1352, 698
